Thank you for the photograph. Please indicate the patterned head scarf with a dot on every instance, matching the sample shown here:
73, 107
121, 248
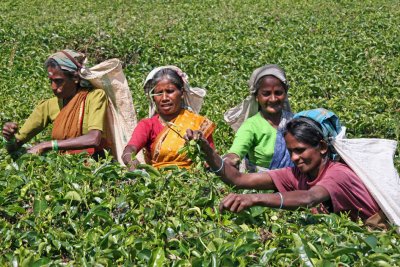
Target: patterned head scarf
329, 122
71, 61
192, 96
249, 107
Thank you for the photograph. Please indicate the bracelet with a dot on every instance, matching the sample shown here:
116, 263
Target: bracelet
54, 145
220, 168
280, 194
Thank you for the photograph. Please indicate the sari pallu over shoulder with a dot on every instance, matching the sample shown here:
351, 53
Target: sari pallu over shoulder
69, 123
164, 150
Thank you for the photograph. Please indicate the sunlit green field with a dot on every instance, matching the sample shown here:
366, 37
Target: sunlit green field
340, 55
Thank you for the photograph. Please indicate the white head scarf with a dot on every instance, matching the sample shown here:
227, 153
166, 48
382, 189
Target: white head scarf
192, 96
249, 107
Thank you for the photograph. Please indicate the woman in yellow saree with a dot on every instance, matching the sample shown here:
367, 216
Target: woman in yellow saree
173, 110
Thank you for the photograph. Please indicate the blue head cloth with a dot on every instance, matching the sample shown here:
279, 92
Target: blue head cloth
329, 122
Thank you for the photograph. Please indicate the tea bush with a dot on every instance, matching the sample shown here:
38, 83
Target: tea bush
65, 210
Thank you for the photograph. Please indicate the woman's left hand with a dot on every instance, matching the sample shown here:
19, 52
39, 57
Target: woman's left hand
39, 148
197, 136
237, 202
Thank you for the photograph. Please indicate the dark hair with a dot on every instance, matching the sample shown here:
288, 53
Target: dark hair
305, 130
53, 64
169, 74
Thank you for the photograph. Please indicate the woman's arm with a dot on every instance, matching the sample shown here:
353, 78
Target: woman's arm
285, 200
36, 122
229, 174
91, 139
127, 157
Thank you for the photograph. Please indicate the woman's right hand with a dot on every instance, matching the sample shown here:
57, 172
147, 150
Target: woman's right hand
9, 130
127, 157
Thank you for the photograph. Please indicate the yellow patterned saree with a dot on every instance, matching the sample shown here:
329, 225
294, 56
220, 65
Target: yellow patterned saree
164, 150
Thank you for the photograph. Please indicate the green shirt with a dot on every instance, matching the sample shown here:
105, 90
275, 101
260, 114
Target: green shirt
256, 138
94, 117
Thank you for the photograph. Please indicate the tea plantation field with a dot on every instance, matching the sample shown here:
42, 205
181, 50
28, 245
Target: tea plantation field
59, 210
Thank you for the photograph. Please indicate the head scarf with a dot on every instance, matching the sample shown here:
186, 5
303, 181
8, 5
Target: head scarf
330, 124
72, 61
328, 120
192, 96
249, 107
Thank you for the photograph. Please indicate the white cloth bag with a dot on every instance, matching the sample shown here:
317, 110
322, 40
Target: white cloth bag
372, 160
121, 114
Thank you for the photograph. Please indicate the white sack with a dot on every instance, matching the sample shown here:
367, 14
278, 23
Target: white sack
372, 161
121, 114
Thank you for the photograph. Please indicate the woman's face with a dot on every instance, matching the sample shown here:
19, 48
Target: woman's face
271, 95
307, 158
167, 97
63, 87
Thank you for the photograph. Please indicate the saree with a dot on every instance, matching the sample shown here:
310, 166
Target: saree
164, 150
69, 122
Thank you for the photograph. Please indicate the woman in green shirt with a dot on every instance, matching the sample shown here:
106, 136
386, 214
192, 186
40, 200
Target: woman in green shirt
259, 120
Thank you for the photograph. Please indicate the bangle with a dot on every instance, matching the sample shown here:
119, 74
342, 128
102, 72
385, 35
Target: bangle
281, 196
54, 145
220, 168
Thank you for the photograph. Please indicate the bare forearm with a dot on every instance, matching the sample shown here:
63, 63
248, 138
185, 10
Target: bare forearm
230, 174
91, 139
79, 142
287, 200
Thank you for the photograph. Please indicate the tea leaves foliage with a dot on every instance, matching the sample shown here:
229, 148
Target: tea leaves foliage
68, 210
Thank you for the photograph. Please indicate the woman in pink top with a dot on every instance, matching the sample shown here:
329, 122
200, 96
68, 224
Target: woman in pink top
316, 181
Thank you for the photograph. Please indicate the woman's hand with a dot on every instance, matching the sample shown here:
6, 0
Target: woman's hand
9, 130
197, 136
127, 157
40, 148
238, 202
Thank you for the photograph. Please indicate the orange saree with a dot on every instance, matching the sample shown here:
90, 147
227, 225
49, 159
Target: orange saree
164, 150
68, 123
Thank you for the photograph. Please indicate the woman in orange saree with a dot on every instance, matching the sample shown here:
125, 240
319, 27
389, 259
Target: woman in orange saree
77, 111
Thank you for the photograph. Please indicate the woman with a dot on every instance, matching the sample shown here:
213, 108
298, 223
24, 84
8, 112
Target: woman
315, 181
77, 111
161, 136
259, 121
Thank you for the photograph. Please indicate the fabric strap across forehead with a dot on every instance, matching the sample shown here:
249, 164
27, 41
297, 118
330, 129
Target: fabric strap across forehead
72, 59
270, 69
